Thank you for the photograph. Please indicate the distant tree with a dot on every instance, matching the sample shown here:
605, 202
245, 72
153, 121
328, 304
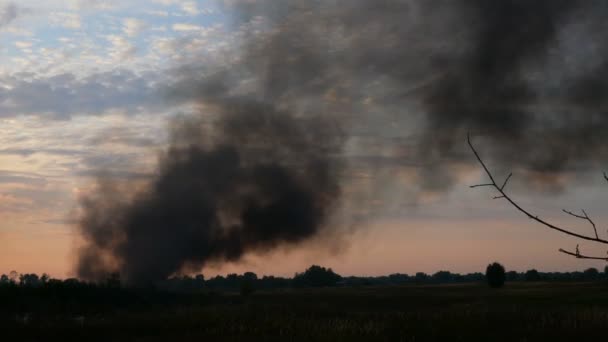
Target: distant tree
72, 283
512, 276
398, 278
532, 275
248, 281
317, 276
421, 277
13, 277
495, 275
271, 282
4, 280
216, 282
591, 274
232, 281
606, 272
250, 276
474, 277
442, 277
29, 280
199, 281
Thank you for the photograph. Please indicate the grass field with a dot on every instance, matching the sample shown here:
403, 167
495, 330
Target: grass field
518, 312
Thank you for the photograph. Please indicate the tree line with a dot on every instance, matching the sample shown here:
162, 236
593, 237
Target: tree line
314, 276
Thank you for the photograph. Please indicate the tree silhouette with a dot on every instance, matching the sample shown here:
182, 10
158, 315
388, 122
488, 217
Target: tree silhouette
591, 274
248, 281
502, 194
317, 276
29, 280
495, 274
532, 275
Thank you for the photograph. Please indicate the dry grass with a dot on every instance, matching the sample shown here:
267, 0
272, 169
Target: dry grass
520, 312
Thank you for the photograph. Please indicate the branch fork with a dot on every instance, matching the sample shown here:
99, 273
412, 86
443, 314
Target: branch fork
503, 195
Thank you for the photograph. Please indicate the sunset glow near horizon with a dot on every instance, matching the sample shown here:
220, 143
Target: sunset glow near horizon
84, 93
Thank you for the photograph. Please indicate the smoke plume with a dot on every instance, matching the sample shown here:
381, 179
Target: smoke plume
265, 180
8, 13
522, 84
322, 90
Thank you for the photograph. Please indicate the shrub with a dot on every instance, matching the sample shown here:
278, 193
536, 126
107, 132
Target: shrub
317, 276
495, 274
591, 274
532, 275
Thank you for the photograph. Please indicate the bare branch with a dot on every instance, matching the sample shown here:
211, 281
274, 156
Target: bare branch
580, 256
502, 194
481, 185
506, 181
573, 214
584, 217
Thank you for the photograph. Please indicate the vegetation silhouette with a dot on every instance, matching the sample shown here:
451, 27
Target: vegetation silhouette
532, 275
316, 276
495, 274
311, 306
248, 283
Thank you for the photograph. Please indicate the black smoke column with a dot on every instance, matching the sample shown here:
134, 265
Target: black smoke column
332, 89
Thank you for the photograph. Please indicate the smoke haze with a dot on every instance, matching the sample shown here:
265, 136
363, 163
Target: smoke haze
8, 13
320, 91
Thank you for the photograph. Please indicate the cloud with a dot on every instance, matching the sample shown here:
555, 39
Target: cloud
65, 95
124, 136
158, 13
67, 20
8, 13
25, 152
23, 45
133, 26
183, 27
12, 203
121, 49
12, 177
190, 7
94, 4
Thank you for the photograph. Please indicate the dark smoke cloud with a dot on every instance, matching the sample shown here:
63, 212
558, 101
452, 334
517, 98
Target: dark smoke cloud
528, 76
322, 90
252, 180
501, 89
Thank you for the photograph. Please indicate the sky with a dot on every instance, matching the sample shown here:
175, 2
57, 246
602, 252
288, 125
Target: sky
84, 93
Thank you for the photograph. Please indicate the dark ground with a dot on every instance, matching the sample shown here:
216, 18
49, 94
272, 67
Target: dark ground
470, 312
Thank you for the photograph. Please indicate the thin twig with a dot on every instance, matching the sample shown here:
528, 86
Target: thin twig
501, 191
583, 217
506, 181
573, 214
481, 185
580, 256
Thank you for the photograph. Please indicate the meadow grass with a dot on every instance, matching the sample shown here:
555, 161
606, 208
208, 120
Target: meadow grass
470, 312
